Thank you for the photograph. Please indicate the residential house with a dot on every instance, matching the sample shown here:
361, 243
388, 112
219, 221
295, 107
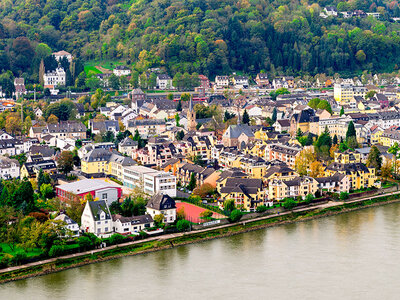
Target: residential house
127, 146
336, 183
31, 169
99, 127
55, 78
19, 84
240, 82
67, 129
96, 218
9, 168
262, 80
131, 225
359, 175
162, 204
248, 193
61, 54
121, 71
222, 81
282, 125
164, 82
147, 127
237, 135
279, 189
301, 121
70, 226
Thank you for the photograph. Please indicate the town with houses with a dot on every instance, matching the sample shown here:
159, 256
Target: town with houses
233, 143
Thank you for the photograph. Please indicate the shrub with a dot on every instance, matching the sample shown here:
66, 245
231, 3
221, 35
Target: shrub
344, 196
309, 198
19, 257
56, 250
84, 242
289, 203
229, 205
235, 216
6, 260
261, 209
143, 234
183, 225
206, 214
116, 238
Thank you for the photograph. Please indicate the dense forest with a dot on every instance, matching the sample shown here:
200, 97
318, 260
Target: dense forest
208, 37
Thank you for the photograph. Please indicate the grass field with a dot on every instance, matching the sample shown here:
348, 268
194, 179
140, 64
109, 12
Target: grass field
91, 69
106, 64
6, 249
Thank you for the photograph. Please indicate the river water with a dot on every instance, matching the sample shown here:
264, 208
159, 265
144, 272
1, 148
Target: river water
350, 256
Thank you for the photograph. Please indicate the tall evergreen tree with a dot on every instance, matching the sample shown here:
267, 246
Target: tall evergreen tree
335, 140
351, 131
40, 179
246, 118
342, 111
179, 106
274, 115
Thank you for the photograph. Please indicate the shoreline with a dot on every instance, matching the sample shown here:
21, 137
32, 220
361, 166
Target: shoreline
148, 246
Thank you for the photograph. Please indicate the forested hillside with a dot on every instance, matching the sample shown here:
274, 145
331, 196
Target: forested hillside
204, 36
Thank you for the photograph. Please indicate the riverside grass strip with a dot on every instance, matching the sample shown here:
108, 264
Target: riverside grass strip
191, 237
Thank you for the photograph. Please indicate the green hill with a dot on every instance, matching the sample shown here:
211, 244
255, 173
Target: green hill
209, 37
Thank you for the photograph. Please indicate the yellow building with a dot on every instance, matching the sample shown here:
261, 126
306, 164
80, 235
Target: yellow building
347, 157
247, 193
360, 176
279, 189
389, 137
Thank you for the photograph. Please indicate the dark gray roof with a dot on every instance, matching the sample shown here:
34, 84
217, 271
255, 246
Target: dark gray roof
161, 202
134, 220
96, 207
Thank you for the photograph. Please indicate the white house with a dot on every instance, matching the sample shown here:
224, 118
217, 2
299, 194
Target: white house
54, 78
5, 136
61, 54
222, 81
71, 226
131, 225
122, 71
96, 218
164, 82
38, 112
240, 82
9, 168
162, 204
127, 146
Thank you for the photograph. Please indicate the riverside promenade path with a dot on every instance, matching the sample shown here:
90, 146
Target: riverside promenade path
174, 235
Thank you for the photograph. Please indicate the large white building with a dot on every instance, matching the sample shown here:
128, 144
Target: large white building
121, 71
222, 81
54, 78
150, 180
346, 92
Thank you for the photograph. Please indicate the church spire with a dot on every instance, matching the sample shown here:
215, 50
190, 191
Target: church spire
191, 103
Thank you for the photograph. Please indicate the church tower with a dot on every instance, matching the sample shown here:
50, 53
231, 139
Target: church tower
191, 116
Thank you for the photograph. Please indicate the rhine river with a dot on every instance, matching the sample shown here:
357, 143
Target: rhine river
349, 256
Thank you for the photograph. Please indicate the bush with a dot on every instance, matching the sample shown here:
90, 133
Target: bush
6, 260
344, 196
261, 209
19, 257
235, 216
182, 225
84, 242
116, 238
309, 198
143, 234
289, 203
56, 250
206, 214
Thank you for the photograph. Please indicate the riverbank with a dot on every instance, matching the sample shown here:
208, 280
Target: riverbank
173, 240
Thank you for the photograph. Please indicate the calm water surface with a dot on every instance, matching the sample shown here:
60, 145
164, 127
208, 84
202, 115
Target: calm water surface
349, 256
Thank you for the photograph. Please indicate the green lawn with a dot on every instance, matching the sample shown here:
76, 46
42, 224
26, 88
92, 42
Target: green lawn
92, 69
6, 249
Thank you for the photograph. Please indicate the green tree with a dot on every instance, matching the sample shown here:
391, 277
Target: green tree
113, 81
374, 158
192, 183
235, 215
343, 196
342, 111
183, 225
323, 104
309, 198
351, 131
229, 205
179, 106
360, 56
261, 208
159, 220
46, 190
289, 203
65, 162
40, 179
245, 118
313, 103
274, 115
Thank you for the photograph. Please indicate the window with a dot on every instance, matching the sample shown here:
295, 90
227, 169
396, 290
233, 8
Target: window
104, 196
98, 230
106, 229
